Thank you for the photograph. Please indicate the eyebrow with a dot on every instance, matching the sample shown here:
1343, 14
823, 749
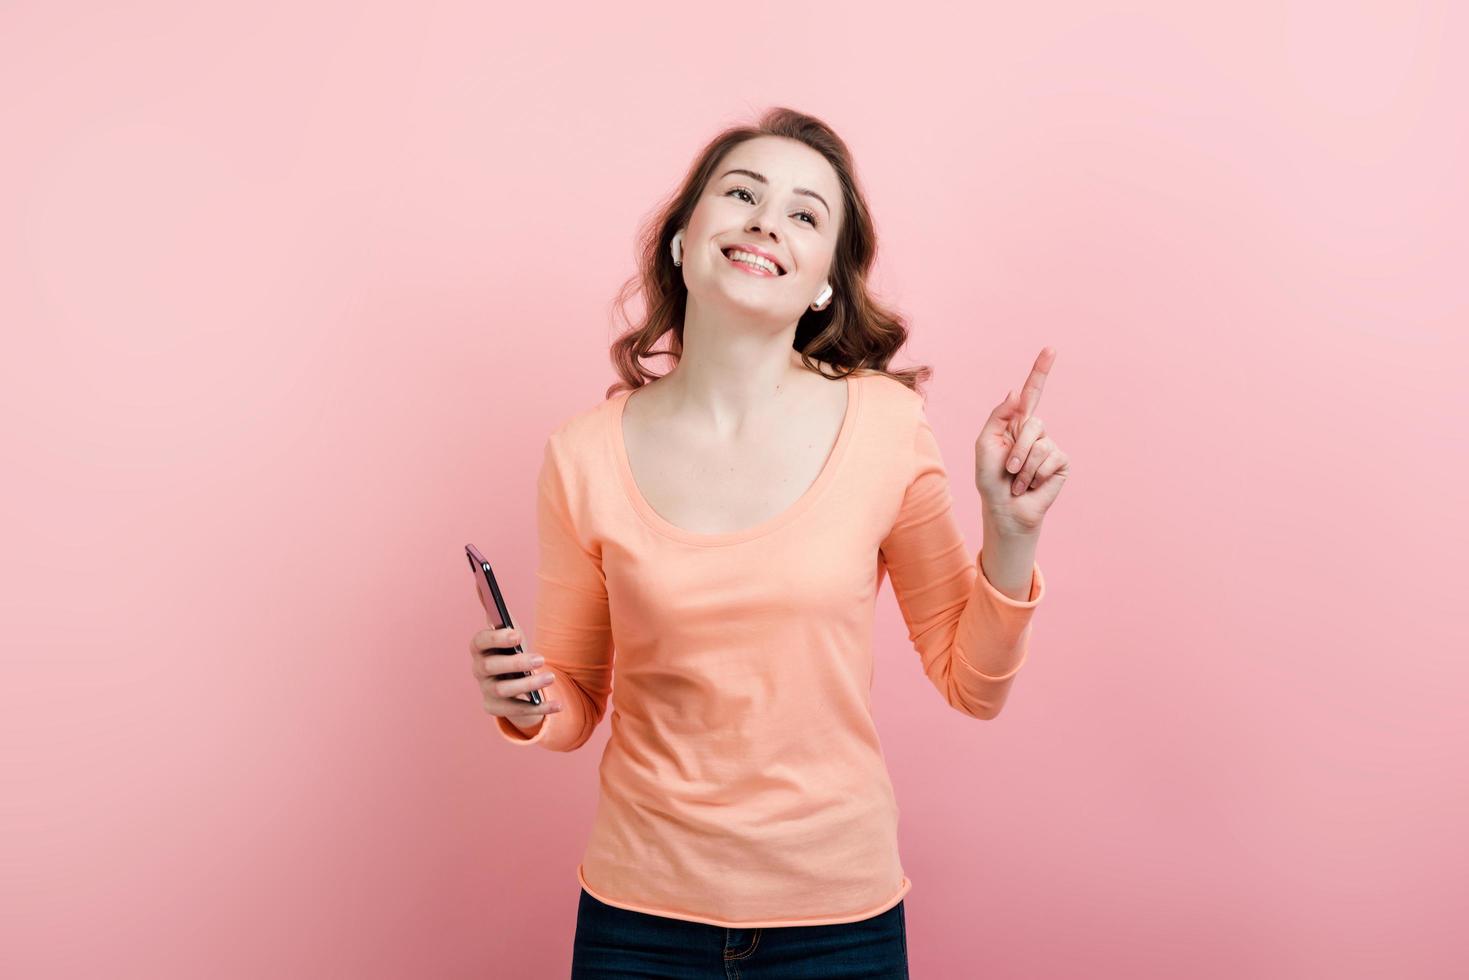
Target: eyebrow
761, 177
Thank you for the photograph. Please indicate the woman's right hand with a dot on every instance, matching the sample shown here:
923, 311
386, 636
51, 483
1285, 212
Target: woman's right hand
500, 694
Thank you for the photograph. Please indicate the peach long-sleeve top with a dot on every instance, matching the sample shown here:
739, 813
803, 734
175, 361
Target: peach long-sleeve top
743, 784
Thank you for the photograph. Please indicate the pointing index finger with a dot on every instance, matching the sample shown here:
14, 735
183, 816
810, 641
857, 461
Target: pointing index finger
1030, 392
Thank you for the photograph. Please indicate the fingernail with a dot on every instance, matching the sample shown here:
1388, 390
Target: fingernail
1014, 464
537, 660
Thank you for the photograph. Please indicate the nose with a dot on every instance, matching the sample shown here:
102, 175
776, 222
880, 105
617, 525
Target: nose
758, 222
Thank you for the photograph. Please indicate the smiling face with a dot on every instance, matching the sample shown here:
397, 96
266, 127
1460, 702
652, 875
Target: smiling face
780, 199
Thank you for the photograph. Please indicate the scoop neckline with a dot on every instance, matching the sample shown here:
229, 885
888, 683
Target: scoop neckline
658, 523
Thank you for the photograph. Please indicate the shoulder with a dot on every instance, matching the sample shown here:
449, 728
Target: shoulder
890, 396
891, 419
887, 383
577, 441
586, 425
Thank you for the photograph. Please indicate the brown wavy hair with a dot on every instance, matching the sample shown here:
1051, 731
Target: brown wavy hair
855, 332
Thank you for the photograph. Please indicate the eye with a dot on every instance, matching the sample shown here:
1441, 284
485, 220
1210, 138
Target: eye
746, 192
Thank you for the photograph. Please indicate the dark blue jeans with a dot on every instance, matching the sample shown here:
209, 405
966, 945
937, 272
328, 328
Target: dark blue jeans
619, 943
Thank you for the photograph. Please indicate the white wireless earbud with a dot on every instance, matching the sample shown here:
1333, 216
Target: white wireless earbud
822, 296
677, 246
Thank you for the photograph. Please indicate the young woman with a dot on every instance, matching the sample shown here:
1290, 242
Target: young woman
725, 528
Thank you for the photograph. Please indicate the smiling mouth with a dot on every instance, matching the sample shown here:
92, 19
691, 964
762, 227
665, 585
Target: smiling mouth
758, 269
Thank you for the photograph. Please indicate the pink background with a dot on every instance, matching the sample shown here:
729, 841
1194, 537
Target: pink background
293, 293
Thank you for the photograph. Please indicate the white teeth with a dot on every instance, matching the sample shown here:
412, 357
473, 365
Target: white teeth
755, 260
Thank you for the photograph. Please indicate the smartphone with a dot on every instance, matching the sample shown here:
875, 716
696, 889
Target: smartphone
494, 603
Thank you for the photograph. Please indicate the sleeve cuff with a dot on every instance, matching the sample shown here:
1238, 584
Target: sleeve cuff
515, 736
1037, 586
1015, 612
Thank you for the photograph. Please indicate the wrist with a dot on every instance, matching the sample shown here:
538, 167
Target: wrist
997, 527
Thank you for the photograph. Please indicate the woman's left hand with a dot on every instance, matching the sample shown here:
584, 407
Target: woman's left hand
1018, 468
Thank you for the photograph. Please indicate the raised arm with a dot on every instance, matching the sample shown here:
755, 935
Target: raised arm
971, 638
